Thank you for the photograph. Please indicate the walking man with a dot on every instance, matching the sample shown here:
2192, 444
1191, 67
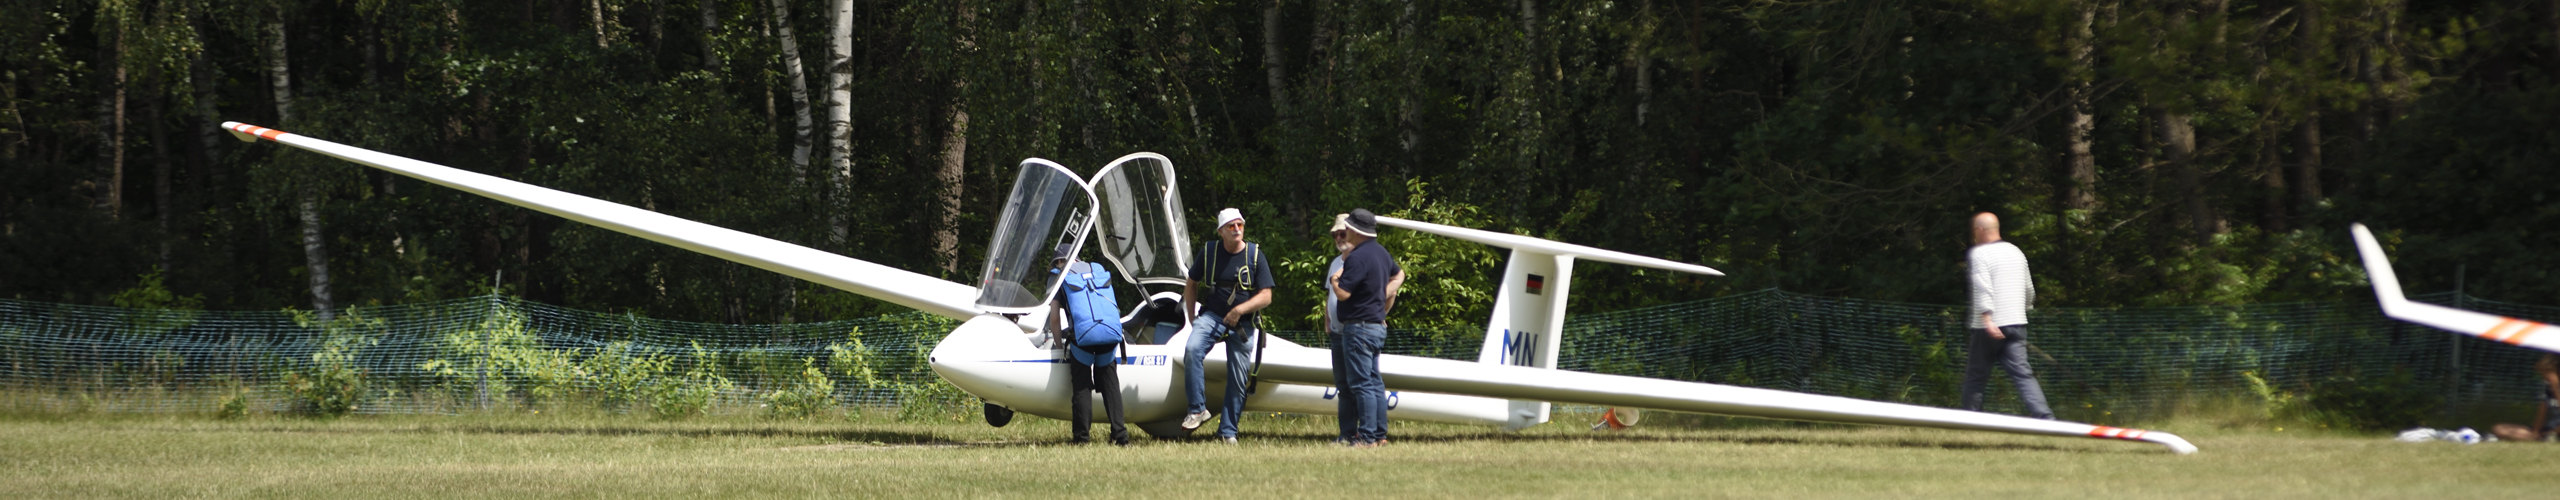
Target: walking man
1366, 286
1232, 285
2002, 292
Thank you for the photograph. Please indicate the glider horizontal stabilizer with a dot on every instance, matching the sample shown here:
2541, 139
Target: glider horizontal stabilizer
1545, 246
2386, 290
924, 293
1418, 374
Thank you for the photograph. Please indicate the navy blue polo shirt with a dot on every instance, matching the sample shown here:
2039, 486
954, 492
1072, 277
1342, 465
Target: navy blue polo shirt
1228, 279
1365, 272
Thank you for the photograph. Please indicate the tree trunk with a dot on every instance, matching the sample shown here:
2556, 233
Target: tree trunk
2178, 145
596, 9
2551, 24
1276, 76
840, 120
161, 208
13, 125
799, 80
955, 156
2306, 149
111, 102
1643, 62
2080, 183
2271, 173
710, 29
1407, 109
1081, 60
315, 250
368, 30
208, 118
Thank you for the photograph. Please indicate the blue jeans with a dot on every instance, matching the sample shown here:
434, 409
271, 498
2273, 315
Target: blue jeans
1207, 331
1367, 399
2010, 354
1346, 409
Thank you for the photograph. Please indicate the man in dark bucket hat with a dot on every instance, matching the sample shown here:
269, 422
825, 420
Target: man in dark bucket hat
1366, 288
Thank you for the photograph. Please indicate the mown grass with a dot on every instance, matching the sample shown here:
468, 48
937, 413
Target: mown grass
605, 456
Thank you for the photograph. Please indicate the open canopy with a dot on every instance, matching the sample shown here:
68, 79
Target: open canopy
1141, 228
1050, 207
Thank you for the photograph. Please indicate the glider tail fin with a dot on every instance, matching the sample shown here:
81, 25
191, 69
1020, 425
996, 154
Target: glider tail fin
1527, 326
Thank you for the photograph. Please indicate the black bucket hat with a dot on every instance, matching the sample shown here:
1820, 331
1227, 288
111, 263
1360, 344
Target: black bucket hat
1364, 222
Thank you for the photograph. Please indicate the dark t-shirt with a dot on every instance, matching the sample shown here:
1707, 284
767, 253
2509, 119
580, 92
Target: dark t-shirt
1218, 272
1365, 272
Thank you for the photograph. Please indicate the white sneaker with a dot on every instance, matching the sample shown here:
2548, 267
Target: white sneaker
1229, 439
1192, 421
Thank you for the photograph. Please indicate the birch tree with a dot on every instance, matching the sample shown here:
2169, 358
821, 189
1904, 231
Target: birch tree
798, 80
840, 120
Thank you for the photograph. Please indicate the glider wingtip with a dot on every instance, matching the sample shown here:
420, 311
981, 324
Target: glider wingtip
2377, 267
235, 129
2176, 444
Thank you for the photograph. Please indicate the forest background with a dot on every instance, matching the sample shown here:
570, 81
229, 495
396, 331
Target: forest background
2143, 153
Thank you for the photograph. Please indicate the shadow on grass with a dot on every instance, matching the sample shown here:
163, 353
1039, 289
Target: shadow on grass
888, 436
1741, 438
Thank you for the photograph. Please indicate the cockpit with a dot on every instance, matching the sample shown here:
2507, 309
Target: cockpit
1130, 213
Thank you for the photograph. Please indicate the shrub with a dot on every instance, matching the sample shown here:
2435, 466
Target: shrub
624, 374
693, 393
332, 385
812, 393
2390, 401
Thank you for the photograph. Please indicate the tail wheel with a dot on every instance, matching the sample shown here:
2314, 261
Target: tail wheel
998, 416
1618, 419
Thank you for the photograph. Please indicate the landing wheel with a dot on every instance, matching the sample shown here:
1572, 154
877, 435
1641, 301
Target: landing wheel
998, 416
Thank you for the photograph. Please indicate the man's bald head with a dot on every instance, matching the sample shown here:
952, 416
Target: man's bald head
1986, 228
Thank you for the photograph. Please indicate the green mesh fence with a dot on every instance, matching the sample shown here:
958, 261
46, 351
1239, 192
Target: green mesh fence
501, 353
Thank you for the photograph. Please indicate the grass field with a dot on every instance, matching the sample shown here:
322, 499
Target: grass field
554, 456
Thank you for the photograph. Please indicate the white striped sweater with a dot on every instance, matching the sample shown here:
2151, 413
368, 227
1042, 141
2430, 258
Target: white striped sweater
2000, 284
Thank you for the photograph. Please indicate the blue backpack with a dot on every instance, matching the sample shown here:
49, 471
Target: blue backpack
1093, 313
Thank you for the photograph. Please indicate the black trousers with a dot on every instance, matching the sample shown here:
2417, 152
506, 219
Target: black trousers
1083, 380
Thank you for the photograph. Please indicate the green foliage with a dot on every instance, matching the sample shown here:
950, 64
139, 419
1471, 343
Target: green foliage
234, 401
161, 311
693, 394
332, 384
2382, 402
1448, 287
808, 395
623, 374
2280, 405
1933, 380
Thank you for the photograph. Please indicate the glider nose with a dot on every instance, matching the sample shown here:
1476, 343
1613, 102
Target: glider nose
990, 358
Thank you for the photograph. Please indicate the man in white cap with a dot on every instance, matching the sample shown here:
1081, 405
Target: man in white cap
1346, 408
1231, 284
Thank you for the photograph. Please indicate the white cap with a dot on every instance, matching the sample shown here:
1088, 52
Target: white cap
1229, 216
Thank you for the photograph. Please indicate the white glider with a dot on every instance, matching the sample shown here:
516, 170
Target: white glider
2386, 290
998, 355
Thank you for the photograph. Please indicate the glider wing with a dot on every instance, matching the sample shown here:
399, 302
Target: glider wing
2386, 290
924, 293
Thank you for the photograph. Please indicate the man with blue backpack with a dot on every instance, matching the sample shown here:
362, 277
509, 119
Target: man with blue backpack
1087, 315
